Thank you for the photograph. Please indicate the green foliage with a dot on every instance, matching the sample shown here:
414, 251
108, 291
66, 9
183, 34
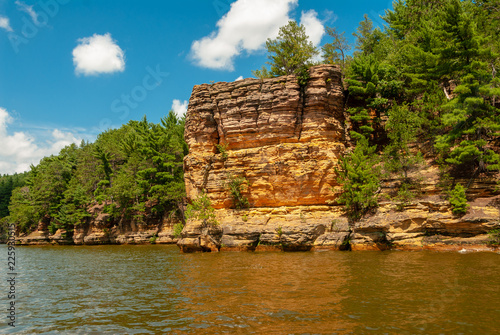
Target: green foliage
402, 128
472, 116
279, 231
4, 229
443, 44
367, 38
263, 73
201, 209
494, 236
178, 227
73, 209
44, 193
457, 200
153, 239
303, 75
290, 51
132, 170
404, 196
234, 185
335, 52
7, 184
22, 209
359, 177
473, 122
371, 85
222, 149
436, 61
153, 170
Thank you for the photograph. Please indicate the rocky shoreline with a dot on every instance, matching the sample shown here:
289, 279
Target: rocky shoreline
423, 225
284, 141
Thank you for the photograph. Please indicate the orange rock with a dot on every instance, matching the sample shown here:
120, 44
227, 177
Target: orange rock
284, 139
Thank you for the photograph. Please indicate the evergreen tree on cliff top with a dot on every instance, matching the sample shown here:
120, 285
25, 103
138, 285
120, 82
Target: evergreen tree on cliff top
291, 51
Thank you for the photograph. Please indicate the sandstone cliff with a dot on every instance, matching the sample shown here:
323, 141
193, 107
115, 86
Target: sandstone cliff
102, 228
285, 141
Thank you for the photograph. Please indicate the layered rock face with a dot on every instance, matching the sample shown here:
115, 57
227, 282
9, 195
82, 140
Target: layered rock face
428, 224
285, 141
102, 228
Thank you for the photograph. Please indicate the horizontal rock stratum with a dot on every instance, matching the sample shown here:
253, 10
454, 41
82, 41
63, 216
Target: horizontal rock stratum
285, 140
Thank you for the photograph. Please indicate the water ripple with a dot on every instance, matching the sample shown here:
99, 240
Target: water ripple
155, 289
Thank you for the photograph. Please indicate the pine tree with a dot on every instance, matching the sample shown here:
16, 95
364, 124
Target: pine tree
291, 51
402, 128
458, 200
359, 176
336, 51
472, 119
367, 37
365, 88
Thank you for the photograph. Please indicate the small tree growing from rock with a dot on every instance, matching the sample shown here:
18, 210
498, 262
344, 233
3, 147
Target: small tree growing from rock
290, 51
234, 184
201, 209
359, 176
458, 201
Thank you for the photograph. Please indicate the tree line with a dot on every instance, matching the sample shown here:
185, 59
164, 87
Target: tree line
136, 170
429, 76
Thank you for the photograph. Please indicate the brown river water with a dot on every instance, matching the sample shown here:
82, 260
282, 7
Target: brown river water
154, 289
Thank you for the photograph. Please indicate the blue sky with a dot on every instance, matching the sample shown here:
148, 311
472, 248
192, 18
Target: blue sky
70, 69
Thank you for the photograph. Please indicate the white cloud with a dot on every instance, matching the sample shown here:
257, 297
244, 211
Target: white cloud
179, 108
330, 16
20, 149
246, 27
98, 54
29, 10
314, 27
5, 24
239, 78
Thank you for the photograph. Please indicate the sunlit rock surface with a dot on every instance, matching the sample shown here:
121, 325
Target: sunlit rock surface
286, 141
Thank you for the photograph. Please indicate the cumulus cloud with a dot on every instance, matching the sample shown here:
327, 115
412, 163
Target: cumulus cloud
5, 23
98, 54
239, 78
246, 27
28, 10
314, 27
179, 108
20, 149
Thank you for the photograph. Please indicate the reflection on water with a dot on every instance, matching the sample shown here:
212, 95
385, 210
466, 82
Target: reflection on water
155, 289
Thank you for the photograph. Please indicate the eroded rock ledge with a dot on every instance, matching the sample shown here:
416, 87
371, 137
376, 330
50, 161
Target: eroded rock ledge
286, 140
102, 228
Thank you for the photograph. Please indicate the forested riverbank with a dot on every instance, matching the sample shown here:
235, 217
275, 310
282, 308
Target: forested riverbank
415, 123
